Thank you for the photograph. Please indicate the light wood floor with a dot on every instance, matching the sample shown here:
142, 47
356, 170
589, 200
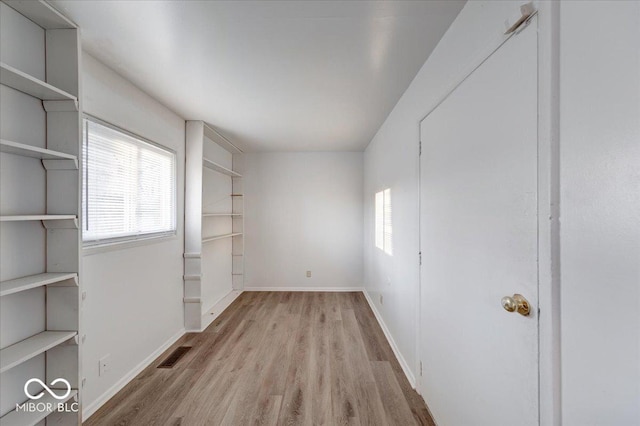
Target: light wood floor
276, 358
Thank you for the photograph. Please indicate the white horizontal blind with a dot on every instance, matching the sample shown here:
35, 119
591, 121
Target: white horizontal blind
129, 187
388, 229
384, 228
379, 207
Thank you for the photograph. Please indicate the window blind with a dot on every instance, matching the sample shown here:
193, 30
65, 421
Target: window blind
388, 229
383, 222
379, 208
129, 186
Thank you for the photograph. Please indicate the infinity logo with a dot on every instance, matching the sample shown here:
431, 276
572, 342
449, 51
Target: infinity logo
47, 388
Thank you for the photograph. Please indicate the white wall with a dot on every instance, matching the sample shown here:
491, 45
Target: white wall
134, 294
600, 212
303, 211
391, 161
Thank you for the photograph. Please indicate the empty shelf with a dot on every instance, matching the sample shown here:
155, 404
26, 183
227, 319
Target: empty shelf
25, 83
33, 281
219, 237
218, 168
25, 150
33, 346
41, 13
26, 217
48, 220
220, 214
29, 418
216, 137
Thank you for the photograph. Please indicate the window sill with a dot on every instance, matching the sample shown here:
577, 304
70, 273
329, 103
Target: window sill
123, 245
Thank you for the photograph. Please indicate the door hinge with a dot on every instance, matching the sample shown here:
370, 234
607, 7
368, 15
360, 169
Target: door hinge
420, 368
420, 257
419, 148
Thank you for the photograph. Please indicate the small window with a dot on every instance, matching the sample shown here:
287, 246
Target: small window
384, 228
129, 187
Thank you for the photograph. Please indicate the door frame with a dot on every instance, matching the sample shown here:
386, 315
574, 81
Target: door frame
547, 19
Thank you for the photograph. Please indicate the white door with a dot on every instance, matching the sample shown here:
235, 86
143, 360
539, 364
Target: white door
479, 243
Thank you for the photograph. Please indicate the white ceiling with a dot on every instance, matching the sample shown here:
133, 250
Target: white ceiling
271, 75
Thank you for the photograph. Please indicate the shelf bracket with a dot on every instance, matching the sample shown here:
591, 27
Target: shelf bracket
60, 164
60, 106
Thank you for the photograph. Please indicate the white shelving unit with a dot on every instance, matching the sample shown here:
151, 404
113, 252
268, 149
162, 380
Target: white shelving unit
203, 144
40, 210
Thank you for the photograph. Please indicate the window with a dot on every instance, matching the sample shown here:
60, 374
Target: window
129, 186
384, 228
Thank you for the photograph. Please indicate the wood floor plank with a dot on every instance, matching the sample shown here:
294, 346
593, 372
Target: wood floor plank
383, 350
178, 386
276, 358
393, 400
333, 306
268, 411
254, 359
296, 402
279, 350
376, 344
343, 400
320, 374
368, 398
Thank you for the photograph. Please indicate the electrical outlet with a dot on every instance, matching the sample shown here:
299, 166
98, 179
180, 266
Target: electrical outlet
104, 365
381, 300
308, 274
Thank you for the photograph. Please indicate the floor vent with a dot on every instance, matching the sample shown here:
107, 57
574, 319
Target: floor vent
174, 357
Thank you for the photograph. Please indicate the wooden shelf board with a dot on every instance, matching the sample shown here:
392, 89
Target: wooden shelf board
21, 218
219, 168
48, 221
25, 83
219, 237
33, 346
25, 150
216, 137
33, 281
41, 13
30, 418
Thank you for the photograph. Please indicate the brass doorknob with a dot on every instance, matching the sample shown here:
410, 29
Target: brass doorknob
516, 303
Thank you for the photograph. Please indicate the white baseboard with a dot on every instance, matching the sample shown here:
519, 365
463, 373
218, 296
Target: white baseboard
394, 347
219, 307
88, 410
317, 289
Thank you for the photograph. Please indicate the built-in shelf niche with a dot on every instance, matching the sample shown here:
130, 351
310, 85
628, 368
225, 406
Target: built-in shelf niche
55, 349
208, 226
